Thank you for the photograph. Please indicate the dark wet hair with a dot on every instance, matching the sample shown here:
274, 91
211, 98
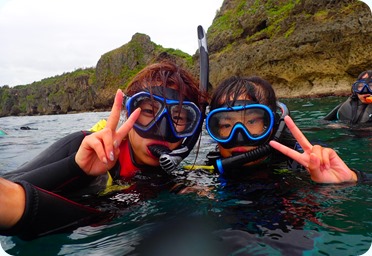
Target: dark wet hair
255, 89
166, 74
369, 72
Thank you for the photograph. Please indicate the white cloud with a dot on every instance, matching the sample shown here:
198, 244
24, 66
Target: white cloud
43, 38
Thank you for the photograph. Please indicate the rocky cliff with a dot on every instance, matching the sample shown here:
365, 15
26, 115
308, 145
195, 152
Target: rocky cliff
305, 48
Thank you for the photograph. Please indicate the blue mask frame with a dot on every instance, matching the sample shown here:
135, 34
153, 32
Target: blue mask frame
239, 135
362, 86
161, 126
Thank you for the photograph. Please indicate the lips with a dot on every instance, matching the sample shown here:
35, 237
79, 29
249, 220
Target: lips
240, 150
155, 150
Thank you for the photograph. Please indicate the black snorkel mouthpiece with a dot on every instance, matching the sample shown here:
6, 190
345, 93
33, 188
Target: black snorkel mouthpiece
158, 150
167, 162
239, 160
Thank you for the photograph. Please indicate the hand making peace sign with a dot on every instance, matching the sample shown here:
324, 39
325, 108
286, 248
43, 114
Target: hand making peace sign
99, 151
323, 164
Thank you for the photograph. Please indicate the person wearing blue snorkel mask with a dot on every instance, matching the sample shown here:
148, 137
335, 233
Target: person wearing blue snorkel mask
244, 115
357, 109
252, 134
163, 107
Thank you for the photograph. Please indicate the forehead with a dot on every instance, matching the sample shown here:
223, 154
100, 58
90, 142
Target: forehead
226, 98
165, 92
365, 75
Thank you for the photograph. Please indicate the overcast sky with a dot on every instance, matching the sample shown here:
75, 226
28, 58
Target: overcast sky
44, 38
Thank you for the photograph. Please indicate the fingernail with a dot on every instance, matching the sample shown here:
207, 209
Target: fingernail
116, 144
112, 158
104, 160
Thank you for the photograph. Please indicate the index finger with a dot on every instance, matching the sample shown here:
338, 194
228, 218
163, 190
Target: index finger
299, 136
114, 117
295, 155
128, 125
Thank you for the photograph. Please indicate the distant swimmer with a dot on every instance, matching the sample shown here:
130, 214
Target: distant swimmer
27, 128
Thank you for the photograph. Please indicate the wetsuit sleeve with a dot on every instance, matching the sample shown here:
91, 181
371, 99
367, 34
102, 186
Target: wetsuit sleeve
55, 168
59, 150
57, 175
47, 213
363, 178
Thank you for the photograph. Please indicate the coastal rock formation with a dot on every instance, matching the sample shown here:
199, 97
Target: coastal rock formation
305, 48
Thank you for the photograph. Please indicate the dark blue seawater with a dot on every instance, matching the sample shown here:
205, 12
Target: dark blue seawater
294, 216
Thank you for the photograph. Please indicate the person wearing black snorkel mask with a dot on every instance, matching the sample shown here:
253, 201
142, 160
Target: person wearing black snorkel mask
250, 134
357, 109
163, 106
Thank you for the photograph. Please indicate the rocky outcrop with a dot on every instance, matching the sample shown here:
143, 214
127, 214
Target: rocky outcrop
304, 48
90, 89
116, 68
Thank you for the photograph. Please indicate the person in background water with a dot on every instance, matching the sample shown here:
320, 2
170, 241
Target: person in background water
245, 123
357, 109
163, 105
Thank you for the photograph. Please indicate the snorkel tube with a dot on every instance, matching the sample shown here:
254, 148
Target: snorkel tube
169, 160
255, 154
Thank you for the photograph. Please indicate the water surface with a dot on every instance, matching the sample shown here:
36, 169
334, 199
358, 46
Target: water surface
293, 216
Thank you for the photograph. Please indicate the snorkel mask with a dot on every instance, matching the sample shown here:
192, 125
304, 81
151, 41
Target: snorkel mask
247, 123
163, 116
363, 86
224, 164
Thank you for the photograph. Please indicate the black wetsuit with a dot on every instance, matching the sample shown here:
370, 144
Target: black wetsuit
352, 111
54, 183
43, 180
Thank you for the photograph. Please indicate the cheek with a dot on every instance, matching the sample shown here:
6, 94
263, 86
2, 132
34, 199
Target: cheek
135, 141
174, 145
361, 97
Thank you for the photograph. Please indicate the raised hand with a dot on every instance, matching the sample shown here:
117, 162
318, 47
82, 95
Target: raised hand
99, 151
323, 164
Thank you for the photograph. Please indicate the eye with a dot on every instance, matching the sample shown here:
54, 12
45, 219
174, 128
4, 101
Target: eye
149, 108
179, 119
225, 124
254, 121
179, 116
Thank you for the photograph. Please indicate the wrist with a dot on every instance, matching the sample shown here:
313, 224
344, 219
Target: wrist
354, 176
13, 201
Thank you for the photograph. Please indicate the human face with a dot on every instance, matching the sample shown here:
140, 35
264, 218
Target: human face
164, 118
162, 122
365, 98
253, 121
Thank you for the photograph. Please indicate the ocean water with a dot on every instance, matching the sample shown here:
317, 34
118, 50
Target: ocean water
236, 217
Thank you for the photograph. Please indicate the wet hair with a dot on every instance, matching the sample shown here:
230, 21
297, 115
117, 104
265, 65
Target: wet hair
166, 74
369, 72
255, 89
